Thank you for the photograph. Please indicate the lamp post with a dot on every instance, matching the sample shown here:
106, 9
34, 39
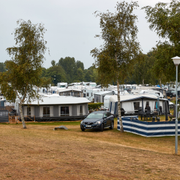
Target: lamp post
176, 61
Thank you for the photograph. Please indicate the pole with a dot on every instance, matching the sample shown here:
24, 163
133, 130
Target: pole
176, 130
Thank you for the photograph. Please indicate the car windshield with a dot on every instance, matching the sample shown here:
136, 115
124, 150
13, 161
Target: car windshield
95, 115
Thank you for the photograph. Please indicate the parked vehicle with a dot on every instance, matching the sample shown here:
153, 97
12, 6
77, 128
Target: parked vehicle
98, 120
171, 93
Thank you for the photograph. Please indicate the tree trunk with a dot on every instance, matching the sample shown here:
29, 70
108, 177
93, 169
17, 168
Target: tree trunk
22, 116
143, 82
160, 81
119, 107
118, 96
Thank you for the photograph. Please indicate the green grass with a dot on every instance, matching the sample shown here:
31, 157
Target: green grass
47, 123
55, 123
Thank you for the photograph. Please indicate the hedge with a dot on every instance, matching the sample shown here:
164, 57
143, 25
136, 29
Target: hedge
94, 106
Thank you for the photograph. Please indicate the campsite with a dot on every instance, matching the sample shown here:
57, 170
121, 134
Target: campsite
72, 108
39, 152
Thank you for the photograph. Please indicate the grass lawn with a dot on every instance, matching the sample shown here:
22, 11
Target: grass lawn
39, 152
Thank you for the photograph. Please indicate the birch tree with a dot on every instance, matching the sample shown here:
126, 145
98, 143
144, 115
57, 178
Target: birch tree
164, 19
120, 46
23, 71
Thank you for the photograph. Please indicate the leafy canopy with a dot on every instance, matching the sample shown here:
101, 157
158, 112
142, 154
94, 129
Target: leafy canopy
119, 34
164, 19
24, 70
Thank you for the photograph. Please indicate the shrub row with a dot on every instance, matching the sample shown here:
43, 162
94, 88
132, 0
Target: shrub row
94, 106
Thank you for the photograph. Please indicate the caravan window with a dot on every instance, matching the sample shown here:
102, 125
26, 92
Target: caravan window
65, 111
136, 105
62, 86
46, 112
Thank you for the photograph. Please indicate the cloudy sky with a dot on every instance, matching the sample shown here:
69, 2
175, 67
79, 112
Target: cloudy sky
71, 26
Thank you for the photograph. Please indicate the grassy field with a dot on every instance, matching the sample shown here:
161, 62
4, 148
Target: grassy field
40, 153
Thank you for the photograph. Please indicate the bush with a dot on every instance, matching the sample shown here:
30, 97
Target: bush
94, 106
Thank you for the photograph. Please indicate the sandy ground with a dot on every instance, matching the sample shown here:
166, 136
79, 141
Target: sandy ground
39, 153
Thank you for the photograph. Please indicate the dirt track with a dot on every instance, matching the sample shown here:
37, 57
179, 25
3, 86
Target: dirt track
41, 153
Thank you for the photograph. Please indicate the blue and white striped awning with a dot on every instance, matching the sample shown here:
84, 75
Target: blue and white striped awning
148, 129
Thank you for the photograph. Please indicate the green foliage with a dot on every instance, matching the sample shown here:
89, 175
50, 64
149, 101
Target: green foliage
164, 67
79, 74
143, 69
68, 65
139, 69
56, 73
90, 74
2, 67
119, 33
69, 70
23, 71
53, 62
79, 64
94, 106
164, 19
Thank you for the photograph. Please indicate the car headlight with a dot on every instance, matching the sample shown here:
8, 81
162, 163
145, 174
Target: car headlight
82, 122
98, 122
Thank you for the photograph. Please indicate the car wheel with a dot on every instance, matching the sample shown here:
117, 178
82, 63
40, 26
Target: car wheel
102, 127
112, 125
82, 129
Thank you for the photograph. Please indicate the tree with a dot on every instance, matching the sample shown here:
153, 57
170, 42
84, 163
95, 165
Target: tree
79, 74
79, 64
151, 77
53, 62
143, 69
2, 68
69, 66
56, 73
163, 67
25, 67
164, 19
79, 71
119, 33
139, 69
90, 74
74, 69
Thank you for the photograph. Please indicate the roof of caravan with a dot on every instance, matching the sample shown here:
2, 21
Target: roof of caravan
66, 90
57, 100
103, 92
134, 97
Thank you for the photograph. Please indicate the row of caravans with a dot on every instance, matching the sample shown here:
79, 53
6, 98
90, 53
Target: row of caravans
135, 104
82, 94
130, 103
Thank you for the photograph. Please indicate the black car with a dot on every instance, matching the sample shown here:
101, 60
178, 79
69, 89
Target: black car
98, 120
170, 93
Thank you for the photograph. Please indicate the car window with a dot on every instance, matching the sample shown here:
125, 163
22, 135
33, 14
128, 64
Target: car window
105, 115
94, 115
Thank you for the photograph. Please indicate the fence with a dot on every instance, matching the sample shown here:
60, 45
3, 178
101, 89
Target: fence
148, 129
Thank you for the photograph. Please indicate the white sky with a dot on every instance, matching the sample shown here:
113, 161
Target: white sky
71, 26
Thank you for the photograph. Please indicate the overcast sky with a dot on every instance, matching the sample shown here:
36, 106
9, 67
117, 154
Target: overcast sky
71, 26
